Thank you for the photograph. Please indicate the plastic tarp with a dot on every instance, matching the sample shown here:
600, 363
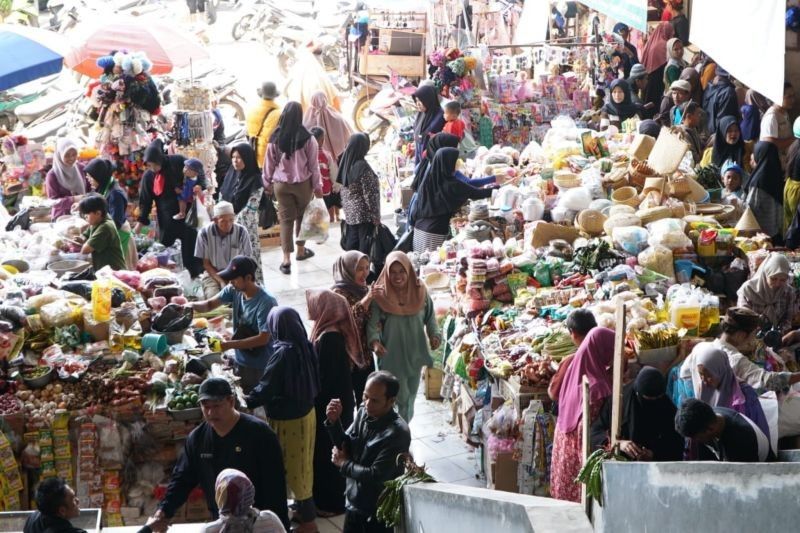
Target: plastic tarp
746, 38
631, 12
27, 54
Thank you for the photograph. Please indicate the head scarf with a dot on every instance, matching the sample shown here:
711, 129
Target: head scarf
714, 360
438, 193
691, 75
291, 345
649, 420
290, 135
768, 174
592, 359
624, 110
68, 177
654, 55
672, 57
235, 495
722, 150
757, 290
405, 301
650, 127
440, 140
337, 130
430, 99
102, 172
154, 153
758, 100
238, 185
331, 312
352, 162
344, 273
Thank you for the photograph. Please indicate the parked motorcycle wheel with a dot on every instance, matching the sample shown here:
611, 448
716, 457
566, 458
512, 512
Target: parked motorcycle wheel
241, 28
8, 120
236, 106
368, 122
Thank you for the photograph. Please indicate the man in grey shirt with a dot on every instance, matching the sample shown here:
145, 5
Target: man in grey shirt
217, 244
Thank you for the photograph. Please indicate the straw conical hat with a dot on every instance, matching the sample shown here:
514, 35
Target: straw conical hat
698, 193
748, 222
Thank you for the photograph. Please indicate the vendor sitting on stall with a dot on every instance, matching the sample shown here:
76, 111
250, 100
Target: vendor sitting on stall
648, 420
226, 439
217, 244
102, 239
251, 305
579, 323
768, 294
57, 504
727, 435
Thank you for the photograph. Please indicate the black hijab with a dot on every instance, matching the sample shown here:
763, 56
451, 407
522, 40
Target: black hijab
433, 110
352, 162
290, 135
154, 153
768, 174
650, 127
102, 171
624, 110
650, 421
722, 150
440, 140
291, 345
239, 185
440, 192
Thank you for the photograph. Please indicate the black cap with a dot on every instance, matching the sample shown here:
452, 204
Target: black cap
215, 389
240, 266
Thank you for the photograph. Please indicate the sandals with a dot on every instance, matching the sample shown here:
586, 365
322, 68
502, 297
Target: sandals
308, 254
286, 269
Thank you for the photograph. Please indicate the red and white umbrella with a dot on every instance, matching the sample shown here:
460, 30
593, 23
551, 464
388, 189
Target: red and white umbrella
166, 47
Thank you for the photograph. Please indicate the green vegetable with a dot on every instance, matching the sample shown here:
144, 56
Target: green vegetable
390, 502
708, 177
591, 474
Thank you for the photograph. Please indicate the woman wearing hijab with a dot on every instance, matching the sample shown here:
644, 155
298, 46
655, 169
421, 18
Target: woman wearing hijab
430, 118
402, 324
728, 146
654, 58
338, 348
287, 391
754, 107
65, 182
620, 107
235, 494
157, 187
337, 130
648, 420
768, 293
440, 195
291, 172
764, 190
713, 381
440, 140
99, 172
242, 187
691, 75
593, 360
350, 272
675, 62
361, 194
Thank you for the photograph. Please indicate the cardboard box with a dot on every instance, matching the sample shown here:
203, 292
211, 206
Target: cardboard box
432, 379
544, 232
501, 472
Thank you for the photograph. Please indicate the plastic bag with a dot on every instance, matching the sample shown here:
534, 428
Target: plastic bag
101, 300
316, 222
173, 318
632, 239
658, 259
576, 199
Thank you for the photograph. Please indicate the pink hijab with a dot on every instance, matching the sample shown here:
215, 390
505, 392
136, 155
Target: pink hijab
592, 359
654, 54
337, 130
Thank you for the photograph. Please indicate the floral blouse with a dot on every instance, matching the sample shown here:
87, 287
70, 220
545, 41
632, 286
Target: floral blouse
361, 199
360, 316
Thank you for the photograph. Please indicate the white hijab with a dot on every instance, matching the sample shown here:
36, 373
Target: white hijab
757, 289
68, 177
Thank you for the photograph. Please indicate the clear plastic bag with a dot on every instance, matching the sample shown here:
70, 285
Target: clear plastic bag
632, 239
658, 259
316, 222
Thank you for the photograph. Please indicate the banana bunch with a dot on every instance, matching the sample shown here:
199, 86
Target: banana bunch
591, 474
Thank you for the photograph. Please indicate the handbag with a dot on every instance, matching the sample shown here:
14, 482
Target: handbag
267, 214
383, 242
406, 241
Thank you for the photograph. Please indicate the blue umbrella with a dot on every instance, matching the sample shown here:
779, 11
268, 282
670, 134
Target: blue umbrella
28, 54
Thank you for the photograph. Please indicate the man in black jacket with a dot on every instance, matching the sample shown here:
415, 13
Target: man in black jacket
366, 454
227, 439
57, 504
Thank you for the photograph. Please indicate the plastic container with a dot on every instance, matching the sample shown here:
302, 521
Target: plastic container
686, 315
156, 343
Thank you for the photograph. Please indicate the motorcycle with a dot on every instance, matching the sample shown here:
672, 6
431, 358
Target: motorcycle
21, 95
391, 107
24, 13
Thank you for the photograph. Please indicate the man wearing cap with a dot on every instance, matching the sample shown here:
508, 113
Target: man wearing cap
669, 112
263, 119
226, 439
629, 56
217, 244
251, 305
638, 82
721, 100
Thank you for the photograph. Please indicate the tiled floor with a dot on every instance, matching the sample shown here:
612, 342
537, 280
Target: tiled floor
435, 442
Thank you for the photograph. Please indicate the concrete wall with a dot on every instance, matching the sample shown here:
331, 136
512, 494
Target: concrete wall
444, 508
699, 496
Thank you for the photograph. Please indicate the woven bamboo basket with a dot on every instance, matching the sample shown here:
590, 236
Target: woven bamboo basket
626, 196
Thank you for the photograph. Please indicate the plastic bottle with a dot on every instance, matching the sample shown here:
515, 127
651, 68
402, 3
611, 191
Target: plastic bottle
685, 313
